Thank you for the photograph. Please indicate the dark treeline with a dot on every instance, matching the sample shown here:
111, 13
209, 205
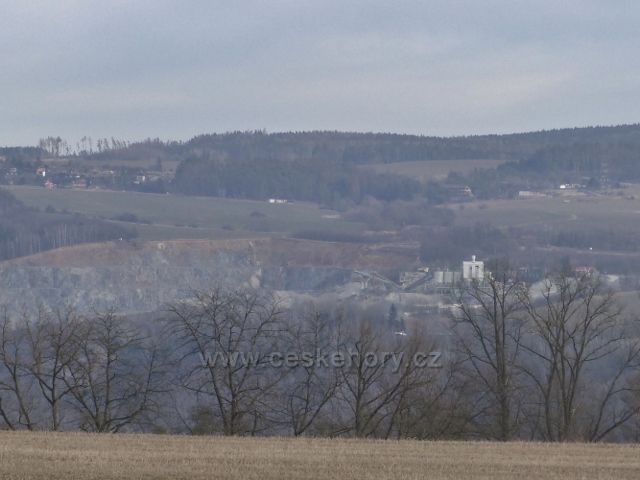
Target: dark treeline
362, 148
326, 183
558, 364
619, 160
347, 147
25, 231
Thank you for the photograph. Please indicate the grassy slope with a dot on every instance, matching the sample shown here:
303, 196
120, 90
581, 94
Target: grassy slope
176, 216
84, 456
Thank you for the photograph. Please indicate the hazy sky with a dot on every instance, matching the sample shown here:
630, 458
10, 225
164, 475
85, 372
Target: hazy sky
169, 69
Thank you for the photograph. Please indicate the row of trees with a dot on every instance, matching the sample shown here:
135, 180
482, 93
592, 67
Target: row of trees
557, 364
64, 371
211, 368
57, 146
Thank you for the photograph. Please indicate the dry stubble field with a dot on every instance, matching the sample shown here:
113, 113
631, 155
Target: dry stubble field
84, 456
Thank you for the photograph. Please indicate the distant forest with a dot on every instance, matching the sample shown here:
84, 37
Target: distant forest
325, 167
365, 148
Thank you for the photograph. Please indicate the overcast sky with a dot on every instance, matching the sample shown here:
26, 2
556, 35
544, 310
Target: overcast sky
169, 69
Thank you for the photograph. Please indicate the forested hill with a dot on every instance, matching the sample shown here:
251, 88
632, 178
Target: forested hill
344, 147
326, 166
322, 166
389, 148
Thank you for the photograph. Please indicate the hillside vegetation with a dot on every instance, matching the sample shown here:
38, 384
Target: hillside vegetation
25, 231
323, 166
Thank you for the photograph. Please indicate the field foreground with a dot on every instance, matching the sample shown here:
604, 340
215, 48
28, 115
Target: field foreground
84, 456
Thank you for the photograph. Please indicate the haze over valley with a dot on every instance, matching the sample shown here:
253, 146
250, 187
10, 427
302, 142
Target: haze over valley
319, 240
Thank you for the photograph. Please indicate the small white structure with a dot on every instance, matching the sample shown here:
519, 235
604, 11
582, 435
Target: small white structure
473, 270
531, 194
278, 200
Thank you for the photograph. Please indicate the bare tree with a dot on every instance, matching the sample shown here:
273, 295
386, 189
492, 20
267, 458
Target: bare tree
575, 326
488, 331
15, 386
312, 383
618, 401
113, 379
53, 345
225, 342
52, 145
438, 407
378, 374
